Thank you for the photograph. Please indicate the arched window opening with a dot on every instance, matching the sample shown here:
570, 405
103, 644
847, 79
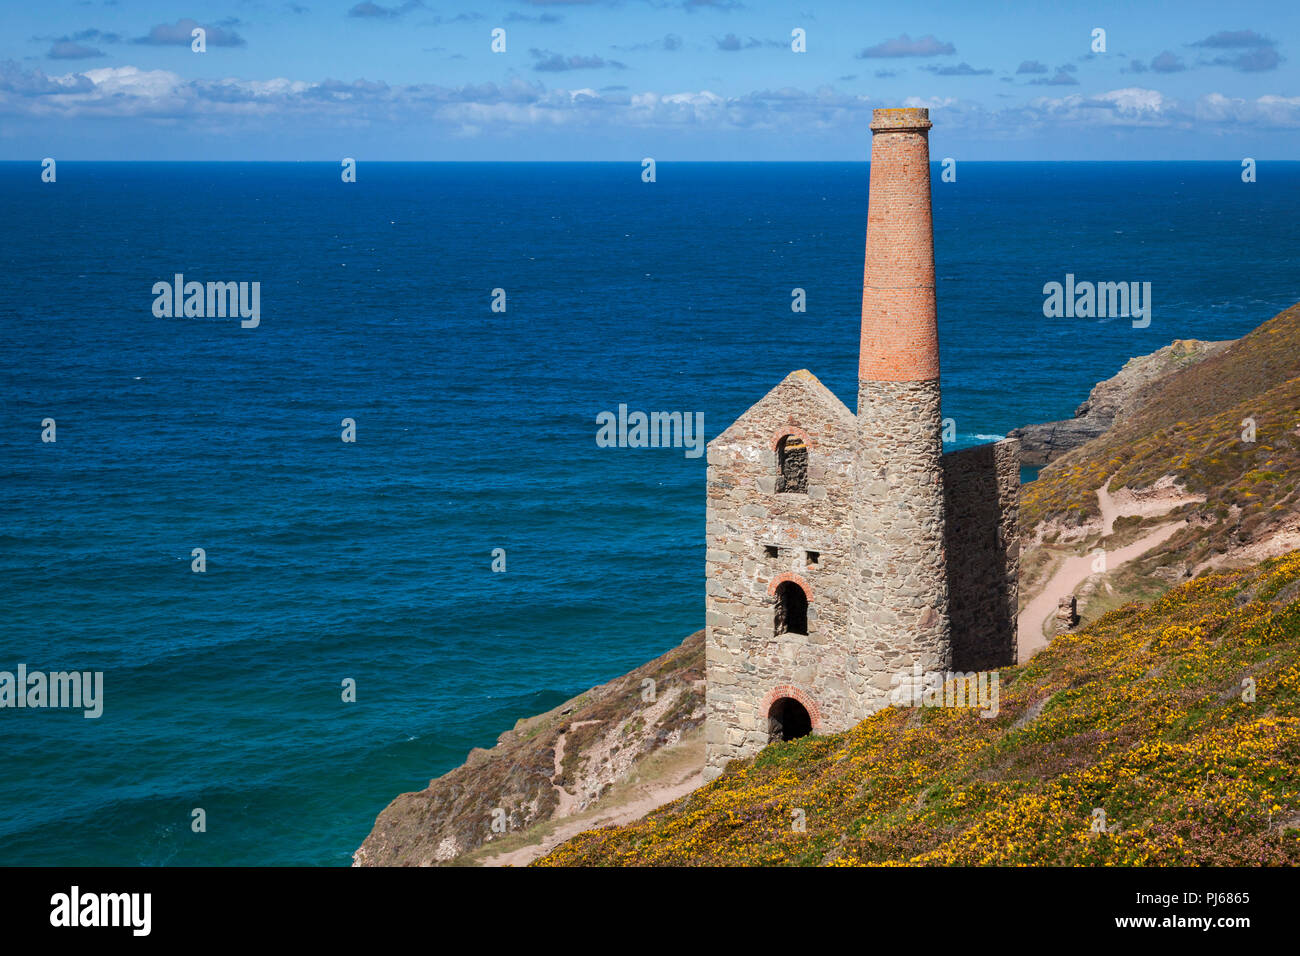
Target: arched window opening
791, 609
792, 465
787, 719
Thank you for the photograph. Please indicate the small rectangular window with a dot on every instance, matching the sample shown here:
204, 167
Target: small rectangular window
814, 557
770, 550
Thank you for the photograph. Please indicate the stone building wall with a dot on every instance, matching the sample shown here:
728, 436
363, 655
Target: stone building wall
867, 615
900, 592
982, 500
748, 665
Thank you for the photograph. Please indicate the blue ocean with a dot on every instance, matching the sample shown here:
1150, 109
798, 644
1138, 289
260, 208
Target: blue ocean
372, 561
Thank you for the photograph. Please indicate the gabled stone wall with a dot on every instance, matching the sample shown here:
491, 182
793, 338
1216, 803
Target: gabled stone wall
745, 516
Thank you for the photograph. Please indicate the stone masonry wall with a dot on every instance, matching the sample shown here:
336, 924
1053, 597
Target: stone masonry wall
982, 494
747, 664
900, 597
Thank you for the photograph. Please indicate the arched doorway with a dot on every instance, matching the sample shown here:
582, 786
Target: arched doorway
787, 719
791, 609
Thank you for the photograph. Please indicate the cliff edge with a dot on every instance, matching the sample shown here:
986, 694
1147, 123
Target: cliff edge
574, 758
1111, 401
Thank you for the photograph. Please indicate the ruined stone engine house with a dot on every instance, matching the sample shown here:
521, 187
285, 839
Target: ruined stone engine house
844, 549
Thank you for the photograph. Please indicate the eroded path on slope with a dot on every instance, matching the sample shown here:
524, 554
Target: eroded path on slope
665, 776
1076, 569
566, 802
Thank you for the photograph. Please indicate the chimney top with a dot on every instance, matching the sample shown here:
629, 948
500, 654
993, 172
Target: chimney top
902, 117
900, 339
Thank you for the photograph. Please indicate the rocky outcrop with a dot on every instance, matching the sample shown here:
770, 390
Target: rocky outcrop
549, 766
1111, 401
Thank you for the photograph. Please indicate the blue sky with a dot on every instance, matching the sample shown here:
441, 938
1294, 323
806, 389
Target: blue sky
619, 80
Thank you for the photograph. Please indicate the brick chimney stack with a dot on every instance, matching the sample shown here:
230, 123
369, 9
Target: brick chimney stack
900, 613
899, 338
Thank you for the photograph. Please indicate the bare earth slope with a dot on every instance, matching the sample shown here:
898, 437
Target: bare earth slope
548, 767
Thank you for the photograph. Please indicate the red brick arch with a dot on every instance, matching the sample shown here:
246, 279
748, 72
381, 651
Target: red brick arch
790, 576
789, 690
790, 430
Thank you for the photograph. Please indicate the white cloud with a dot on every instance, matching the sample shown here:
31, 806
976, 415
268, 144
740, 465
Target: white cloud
131, 81
514, 106
1266, 111
1136, 101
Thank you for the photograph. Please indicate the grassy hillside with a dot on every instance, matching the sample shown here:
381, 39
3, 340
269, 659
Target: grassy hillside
1191, 427
1141, 715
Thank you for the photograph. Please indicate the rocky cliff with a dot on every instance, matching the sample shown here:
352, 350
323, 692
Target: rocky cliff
1111, 401
1224, 430
550, 767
